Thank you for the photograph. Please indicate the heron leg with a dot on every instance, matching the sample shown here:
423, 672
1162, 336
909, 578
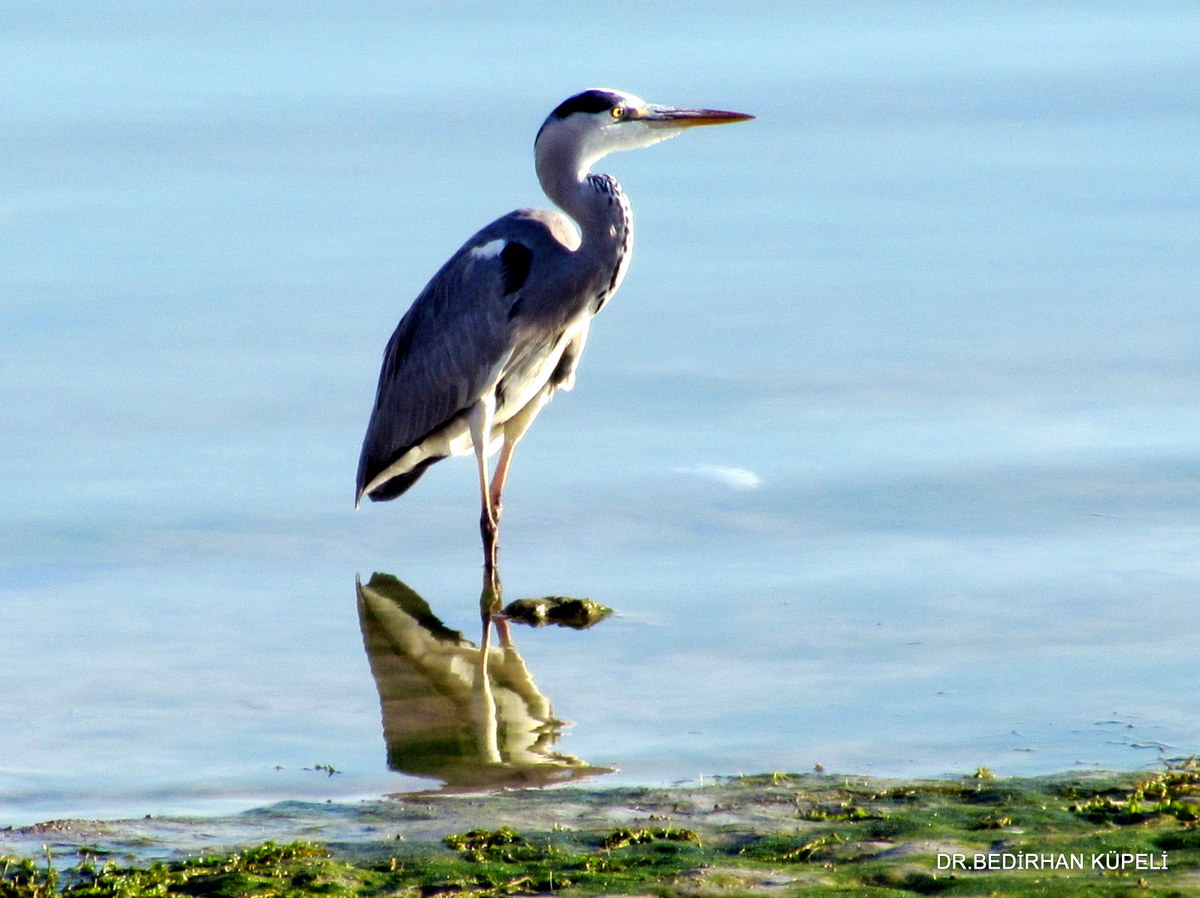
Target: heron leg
480, 421
514, 429
500, 475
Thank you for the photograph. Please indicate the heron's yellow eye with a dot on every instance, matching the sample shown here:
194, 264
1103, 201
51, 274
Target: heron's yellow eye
618, 112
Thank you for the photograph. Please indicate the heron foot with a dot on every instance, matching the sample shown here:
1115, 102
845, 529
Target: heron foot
489, 529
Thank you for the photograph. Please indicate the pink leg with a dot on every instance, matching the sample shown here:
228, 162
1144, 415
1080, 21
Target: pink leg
500, 476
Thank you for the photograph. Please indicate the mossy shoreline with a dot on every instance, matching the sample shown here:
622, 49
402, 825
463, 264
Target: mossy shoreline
776, 834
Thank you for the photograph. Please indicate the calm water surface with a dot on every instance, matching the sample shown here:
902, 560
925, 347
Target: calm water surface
886, 455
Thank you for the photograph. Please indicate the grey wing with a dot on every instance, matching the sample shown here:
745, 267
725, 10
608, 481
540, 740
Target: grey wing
446, 352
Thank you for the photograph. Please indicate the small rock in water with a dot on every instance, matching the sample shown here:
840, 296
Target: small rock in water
562, 611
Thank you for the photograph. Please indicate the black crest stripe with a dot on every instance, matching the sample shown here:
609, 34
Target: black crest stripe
588, 101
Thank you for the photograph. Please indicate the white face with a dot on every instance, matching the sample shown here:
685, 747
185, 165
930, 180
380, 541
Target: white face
624, 128
602, 121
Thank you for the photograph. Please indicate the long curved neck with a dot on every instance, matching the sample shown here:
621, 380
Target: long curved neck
600, 208
590, 199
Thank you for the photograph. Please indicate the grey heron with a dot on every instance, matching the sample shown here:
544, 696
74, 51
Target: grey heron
502, 325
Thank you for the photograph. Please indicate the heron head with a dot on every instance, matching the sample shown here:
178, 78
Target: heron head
600, 121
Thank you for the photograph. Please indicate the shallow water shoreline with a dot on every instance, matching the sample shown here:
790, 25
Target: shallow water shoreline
760, 832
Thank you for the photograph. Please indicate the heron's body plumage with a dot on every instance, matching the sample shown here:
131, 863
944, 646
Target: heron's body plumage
486, 325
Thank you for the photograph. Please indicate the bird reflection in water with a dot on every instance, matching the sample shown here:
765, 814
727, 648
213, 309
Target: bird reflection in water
468, 715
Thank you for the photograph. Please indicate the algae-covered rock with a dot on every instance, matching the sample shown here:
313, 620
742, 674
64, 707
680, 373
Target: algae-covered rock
561, 611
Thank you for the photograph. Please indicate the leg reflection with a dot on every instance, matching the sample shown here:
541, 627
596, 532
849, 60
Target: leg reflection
491, 604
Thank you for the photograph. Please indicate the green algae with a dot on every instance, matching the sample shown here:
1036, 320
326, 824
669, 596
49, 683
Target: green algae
619, 838
793, 835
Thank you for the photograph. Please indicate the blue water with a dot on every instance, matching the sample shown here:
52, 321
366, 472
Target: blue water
886, 454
